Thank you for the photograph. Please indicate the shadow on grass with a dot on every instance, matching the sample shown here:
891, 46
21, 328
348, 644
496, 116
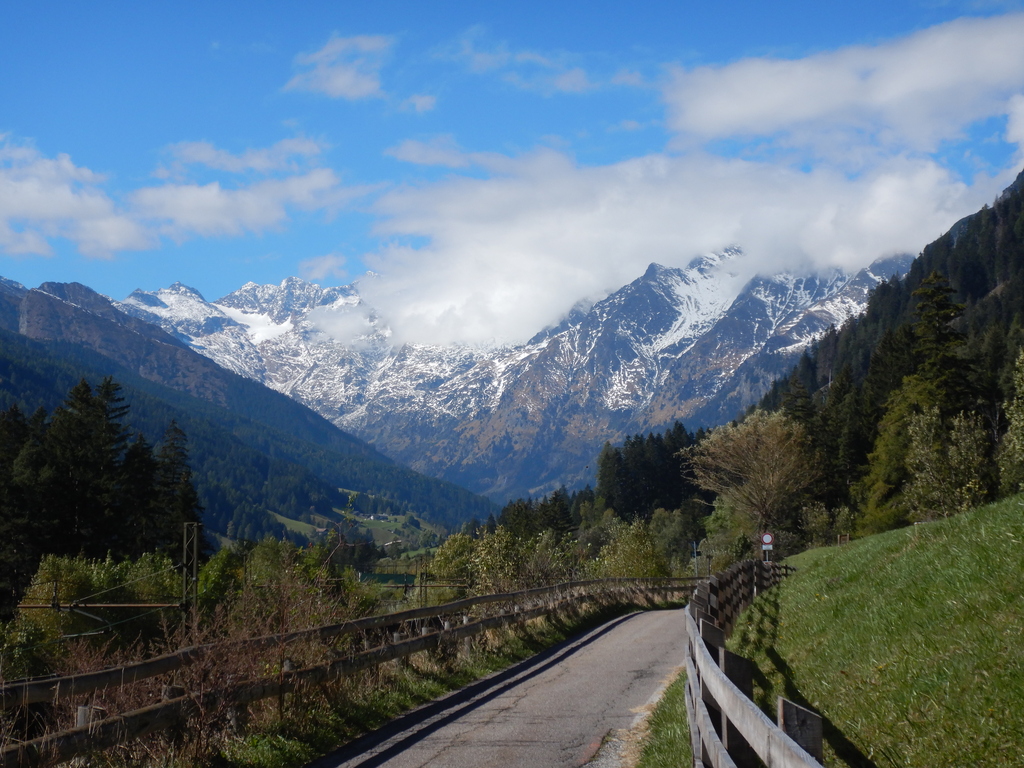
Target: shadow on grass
758, 640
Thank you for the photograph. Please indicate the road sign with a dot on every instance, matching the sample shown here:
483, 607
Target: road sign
767, 540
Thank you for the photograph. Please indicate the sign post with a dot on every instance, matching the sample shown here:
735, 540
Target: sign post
767, 542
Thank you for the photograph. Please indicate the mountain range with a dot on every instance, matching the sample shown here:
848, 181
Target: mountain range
697, 344
253, 451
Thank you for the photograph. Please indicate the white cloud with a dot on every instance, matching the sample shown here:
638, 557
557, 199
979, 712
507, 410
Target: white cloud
835, 159
440, 151
322, 267
421, 102
468, 48
630, 78
43, 198
183, 210
1015, 124
443, 150
274, 158
850, 105
572, 81
529, 70
348, 323
345, 68
511, 254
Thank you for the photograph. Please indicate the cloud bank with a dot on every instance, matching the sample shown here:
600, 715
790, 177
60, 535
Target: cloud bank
853, 105
43, 198
834, 159
510, 255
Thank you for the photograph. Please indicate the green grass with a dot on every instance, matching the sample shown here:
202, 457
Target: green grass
909, 643
295, 526
668, 741
382, 531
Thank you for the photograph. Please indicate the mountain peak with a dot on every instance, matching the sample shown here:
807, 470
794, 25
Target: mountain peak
654, 271
181, 288
652, 351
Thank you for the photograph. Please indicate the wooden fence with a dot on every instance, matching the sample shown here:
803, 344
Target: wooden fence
399, 634
726, 728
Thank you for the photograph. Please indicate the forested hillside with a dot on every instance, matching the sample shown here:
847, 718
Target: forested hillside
907, 408
243, 466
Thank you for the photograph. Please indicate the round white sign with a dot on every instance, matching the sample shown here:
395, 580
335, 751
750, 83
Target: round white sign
767, 538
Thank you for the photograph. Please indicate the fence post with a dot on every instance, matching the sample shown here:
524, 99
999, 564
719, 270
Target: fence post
714, 639
741, 672
801, 725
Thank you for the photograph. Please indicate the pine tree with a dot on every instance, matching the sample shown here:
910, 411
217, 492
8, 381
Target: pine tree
938, 344
554, 512
18, 545
176, 498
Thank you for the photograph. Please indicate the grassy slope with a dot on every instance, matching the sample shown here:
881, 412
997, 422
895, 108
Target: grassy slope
910, 643
668, 742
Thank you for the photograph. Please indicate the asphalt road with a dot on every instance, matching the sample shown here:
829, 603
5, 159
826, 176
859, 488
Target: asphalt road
552, 710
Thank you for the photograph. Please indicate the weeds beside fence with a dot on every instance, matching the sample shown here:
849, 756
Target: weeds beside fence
216, 683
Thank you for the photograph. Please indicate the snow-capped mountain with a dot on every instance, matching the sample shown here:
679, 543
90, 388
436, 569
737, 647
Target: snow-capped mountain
695, 344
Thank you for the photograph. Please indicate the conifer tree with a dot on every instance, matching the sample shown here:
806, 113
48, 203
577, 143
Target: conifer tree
176, 494
82, 483
554, 512
938, 344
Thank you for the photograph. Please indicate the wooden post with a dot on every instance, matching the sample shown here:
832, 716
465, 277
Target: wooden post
283, 699
801, 725
714, 639
713, 596
703, 617
741, 672
169, 692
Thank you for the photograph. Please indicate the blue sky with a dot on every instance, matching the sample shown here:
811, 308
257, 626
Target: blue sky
493, 163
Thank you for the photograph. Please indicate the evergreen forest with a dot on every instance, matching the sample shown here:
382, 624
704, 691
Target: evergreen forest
912, 411
78, 481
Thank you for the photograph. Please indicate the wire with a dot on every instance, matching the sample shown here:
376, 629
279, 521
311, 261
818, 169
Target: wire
93, 633
127, 583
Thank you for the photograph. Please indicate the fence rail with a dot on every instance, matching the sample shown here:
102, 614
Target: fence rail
727, 729
128, 726
21, 693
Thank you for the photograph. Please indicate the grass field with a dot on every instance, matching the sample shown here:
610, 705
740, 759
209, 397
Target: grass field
910, 643
295, 526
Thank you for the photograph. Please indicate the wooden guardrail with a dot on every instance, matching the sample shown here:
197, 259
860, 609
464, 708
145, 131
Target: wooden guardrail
51, 689
179, 705
727, 729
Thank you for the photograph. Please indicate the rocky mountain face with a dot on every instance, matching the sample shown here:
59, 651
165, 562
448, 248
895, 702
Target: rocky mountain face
694, 344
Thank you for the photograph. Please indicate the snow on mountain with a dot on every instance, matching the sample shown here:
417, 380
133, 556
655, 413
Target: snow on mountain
518, 419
